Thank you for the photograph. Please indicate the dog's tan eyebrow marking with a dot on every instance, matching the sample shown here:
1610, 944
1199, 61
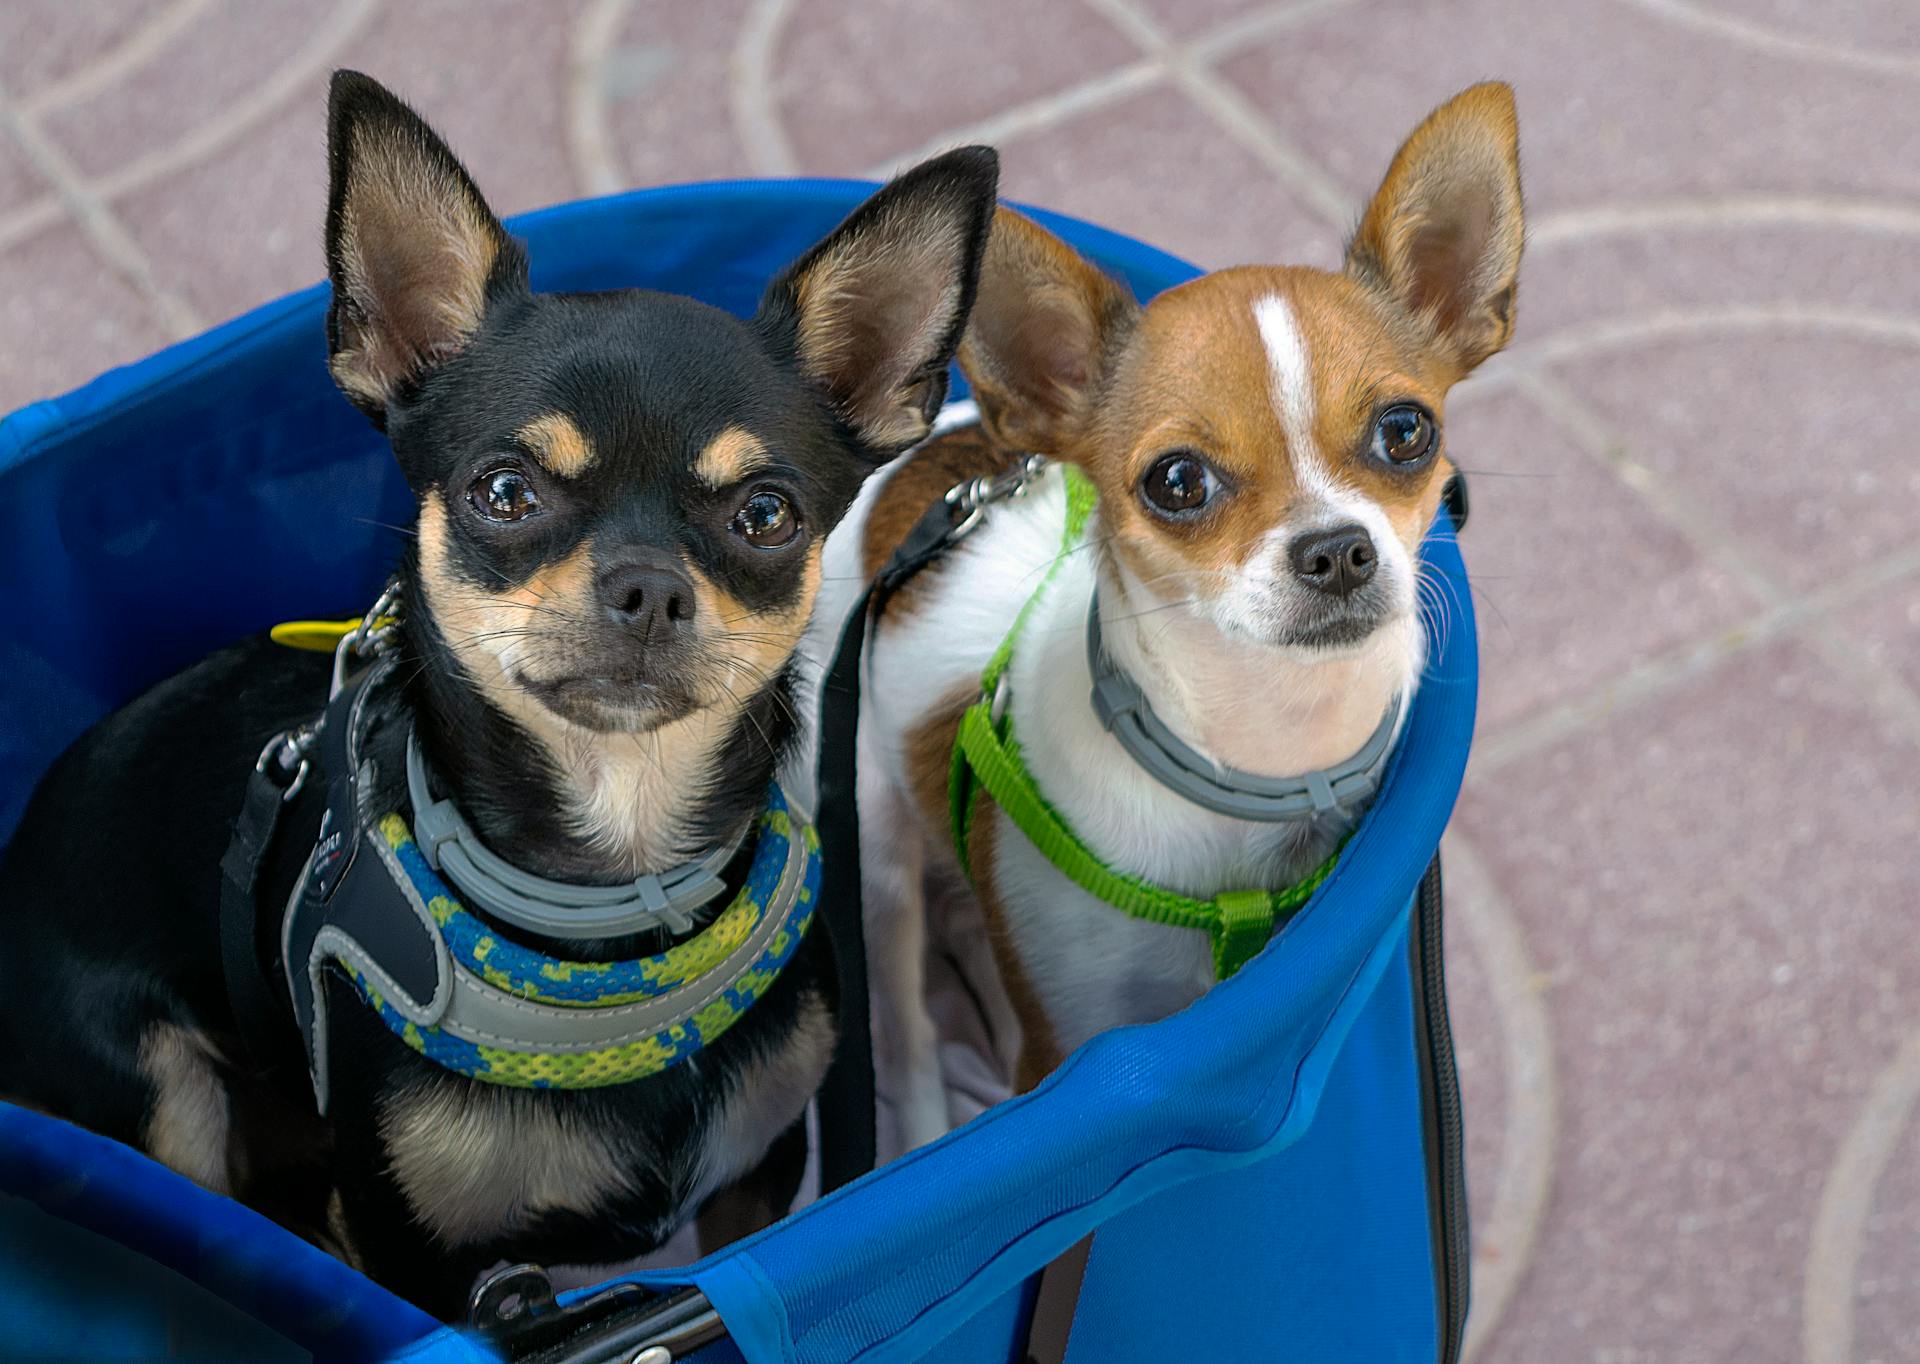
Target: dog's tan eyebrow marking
730, 457
558, 444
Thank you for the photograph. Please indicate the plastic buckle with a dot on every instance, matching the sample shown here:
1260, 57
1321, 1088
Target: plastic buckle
515, 1311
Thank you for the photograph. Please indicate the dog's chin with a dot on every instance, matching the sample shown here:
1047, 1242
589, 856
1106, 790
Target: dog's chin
1337, 634
612, 705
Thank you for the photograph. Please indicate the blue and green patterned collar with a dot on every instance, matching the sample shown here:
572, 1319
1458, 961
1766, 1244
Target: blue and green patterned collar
500, 1012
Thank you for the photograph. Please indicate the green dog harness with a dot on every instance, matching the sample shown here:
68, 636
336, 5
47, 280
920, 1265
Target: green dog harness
986, 752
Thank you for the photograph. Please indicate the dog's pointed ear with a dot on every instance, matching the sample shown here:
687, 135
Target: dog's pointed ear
1443, 234
873, 313
1046, 324
413, 252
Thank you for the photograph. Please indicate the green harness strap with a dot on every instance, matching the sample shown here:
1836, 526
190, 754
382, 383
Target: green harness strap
1238, 921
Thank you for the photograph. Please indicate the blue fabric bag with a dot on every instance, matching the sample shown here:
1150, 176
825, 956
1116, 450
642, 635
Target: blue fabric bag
1272, 1174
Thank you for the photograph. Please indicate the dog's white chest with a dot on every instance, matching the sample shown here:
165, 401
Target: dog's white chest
1102, 968
472, 1159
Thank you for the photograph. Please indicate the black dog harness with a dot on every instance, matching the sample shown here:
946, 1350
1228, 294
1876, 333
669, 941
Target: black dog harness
370, 905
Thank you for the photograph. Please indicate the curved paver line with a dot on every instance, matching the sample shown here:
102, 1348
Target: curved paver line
1238, 34
315, 56
1499, 745
1110, 87
1768, 39
1524, 1184
756, 112
139, 47
1738, 211
201, 142
596, 162
1846, 1198
1231, 111
1664, 324
1591, 435
1134, 23
1034, 115
103, 229
1879, 682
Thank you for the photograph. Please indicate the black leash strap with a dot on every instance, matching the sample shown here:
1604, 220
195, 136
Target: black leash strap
258, 1013
847, 1142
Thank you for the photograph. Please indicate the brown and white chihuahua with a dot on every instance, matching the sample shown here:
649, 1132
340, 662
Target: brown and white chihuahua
623, 499
1266, 446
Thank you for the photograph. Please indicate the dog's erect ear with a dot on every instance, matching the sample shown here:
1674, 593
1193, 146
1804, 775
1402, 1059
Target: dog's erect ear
873, 313
413, 251
1046, 323
1442, 236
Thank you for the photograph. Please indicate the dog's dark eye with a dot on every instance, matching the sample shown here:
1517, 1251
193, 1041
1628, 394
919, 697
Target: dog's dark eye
1178, 484
503, 495
1403, 435
766, 521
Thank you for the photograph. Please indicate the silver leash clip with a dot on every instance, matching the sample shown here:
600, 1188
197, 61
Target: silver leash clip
372, 637
971, 499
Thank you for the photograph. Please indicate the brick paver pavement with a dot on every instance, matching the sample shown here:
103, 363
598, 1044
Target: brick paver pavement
1686, 868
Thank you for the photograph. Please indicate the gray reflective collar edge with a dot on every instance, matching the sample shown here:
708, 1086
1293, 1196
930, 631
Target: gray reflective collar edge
1124, 710
556, 909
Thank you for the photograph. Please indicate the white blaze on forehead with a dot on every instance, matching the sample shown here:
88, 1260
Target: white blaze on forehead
1325, 497
1292, 373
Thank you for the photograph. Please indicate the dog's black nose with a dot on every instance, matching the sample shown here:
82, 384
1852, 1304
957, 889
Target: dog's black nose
653, 598
1336, 561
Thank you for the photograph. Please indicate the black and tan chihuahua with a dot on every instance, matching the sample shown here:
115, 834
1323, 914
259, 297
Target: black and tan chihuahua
622, 502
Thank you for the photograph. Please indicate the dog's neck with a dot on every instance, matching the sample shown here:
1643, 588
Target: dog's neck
582, 805
1269, 711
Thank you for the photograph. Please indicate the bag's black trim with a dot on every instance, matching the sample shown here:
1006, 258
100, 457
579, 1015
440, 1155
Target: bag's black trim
1440, 1106
249, 958
514, 1310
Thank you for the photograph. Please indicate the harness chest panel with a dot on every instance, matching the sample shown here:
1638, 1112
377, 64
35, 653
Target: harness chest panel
370, 907
517, 1017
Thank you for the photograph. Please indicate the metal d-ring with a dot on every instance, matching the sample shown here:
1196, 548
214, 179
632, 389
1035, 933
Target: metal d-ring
287, 749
